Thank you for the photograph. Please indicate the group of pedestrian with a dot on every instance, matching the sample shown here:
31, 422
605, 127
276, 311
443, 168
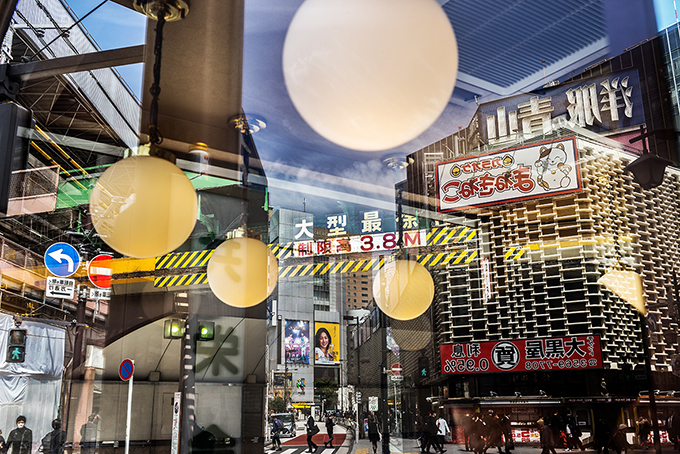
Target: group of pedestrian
492, 430
431, 432
313, 429
20, 439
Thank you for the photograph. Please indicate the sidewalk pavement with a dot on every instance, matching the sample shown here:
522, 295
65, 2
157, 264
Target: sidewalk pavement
400, 445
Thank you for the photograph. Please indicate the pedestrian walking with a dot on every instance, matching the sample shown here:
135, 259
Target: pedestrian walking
373, 432
420, 431
277, 427
673, 427
644, 428
312, 429
442, 430
602, 436
506, 427
53, 442
431, 438
547, 438
494, 432
467, 430
20, 439
618, 442
329, 430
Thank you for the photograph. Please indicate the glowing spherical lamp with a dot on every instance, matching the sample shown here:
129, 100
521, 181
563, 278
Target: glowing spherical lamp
370, 75
143, 207
403, 289
242, 272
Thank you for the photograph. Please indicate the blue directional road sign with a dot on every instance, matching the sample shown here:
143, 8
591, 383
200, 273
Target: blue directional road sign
62, 259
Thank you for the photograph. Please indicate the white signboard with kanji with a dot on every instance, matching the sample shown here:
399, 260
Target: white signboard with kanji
373, 403
59, 287
100, 294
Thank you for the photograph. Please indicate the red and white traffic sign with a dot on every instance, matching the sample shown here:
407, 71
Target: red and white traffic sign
99, 270
396, 369
126, 369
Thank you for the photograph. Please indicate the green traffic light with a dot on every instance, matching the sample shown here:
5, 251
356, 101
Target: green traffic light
206, 331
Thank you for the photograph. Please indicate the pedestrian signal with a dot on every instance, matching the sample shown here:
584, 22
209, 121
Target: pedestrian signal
16, 349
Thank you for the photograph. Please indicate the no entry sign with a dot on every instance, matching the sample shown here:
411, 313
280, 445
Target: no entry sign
396, 369
99, 270
126, 369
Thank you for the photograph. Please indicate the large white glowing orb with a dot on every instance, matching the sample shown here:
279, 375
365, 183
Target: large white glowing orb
370, 74
143, 207
403, 289
242, 272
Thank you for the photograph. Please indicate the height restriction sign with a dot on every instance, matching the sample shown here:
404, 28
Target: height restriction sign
99, 270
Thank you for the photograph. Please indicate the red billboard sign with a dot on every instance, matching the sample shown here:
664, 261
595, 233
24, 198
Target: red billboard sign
560, 353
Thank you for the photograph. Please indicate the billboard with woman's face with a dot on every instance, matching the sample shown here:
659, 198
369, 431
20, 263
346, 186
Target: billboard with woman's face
326, 343
297, 341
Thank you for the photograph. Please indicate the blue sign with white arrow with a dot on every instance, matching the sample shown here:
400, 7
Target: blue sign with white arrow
62, 259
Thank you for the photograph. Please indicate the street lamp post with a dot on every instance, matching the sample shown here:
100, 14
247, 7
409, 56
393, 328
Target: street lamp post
650, 382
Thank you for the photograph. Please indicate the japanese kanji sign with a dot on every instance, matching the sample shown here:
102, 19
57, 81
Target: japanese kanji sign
547, 168
605, 103
561, 353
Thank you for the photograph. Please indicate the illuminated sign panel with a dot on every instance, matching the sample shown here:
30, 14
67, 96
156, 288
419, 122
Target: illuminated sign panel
358, 243
547, 168
561, 353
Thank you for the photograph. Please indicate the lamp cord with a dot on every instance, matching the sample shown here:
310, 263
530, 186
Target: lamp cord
155, 136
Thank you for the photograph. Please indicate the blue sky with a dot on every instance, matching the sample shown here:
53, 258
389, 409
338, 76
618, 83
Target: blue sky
665, 13
114, 26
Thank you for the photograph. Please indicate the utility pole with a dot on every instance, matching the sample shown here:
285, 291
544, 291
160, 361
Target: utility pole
384, 408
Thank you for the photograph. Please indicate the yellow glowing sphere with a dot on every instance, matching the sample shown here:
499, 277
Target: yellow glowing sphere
370, 75
143, 207
403, 289
242, 272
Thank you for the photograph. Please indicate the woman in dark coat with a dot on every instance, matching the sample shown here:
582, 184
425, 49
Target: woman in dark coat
329, 430
373, 432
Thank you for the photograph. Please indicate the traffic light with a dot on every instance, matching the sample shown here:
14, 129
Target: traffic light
173, 329
423, 371
16, 348
206, 331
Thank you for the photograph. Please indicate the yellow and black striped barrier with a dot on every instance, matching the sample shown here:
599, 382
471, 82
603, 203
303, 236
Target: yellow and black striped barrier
189, 259
441, 236
318, 269
438, 236
181, 280
520, 252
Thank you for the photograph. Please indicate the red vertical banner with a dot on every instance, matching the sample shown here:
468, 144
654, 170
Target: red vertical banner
559, 353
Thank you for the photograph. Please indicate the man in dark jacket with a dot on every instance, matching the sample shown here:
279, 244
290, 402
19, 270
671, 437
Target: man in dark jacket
311, 430
53, 442
21, 438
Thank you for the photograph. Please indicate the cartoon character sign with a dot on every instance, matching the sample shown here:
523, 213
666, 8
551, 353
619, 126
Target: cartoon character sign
552, 170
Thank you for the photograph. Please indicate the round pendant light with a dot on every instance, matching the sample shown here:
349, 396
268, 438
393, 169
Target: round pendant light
403, 289
242, 272
370, 75
143, 207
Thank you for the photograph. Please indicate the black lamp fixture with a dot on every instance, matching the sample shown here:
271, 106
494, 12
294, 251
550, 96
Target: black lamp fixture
648, 170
